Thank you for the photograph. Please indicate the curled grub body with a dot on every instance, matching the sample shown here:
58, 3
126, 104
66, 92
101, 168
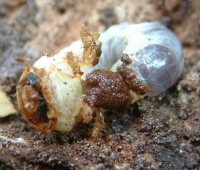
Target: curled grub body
100, 72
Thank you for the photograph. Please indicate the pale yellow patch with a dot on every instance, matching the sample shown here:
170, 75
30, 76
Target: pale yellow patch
6, 107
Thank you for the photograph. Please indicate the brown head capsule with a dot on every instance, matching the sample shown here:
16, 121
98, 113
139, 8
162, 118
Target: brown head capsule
32, 102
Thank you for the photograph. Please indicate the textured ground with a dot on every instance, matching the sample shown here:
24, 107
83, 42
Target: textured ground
155, 133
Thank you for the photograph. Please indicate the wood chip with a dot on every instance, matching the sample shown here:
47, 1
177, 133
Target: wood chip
6, 107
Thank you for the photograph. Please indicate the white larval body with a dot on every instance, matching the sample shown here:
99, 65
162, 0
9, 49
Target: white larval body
156, 55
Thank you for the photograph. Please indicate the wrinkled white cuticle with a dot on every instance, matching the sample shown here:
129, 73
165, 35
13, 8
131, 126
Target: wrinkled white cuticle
156, 55
155, 51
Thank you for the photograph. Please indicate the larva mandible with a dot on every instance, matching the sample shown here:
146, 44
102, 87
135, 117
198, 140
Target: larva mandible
100, 72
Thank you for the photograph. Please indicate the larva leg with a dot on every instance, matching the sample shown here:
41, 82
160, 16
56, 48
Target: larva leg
99, 124
92, 46
73, 62
86, 113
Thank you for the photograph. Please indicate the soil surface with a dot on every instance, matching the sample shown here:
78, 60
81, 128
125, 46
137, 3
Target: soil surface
162, 132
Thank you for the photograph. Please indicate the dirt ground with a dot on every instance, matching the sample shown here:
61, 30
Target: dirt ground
162, 132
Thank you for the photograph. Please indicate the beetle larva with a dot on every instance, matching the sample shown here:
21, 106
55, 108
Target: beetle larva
98, 73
